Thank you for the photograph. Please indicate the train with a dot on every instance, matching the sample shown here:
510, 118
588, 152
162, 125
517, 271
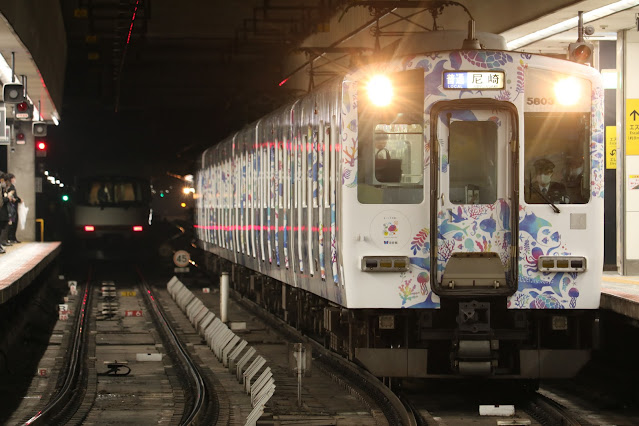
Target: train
111, 213
438, 214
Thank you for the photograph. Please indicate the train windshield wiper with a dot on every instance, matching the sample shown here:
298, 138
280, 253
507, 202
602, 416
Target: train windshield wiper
548, 201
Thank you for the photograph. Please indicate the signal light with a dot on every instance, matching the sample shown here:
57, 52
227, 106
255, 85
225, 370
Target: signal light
39, 128
65, 197
21, 139
137, 228
13, 93
41, 148
581, 52
24, 110
89, 228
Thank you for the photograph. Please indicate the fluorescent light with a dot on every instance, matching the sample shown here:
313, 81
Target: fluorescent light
55, 120
46, 173
609, 77
568, 24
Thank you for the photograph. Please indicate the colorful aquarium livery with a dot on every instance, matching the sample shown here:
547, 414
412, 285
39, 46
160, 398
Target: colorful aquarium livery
439, 214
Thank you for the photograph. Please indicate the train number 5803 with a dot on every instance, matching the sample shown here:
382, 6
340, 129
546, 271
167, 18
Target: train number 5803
540, 101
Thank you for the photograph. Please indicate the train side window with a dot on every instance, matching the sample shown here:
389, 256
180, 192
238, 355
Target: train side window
472, 156
557, 158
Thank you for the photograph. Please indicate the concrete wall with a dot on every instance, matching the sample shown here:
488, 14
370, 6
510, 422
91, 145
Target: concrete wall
21, 162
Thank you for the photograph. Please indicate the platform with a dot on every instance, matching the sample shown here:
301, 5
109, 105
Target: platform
22, 263
620, 294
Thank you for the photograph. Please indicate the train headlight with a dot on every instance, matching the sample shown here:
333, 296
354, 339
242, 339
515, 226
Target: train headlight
385, 263
380, 90
561, 264
568, 91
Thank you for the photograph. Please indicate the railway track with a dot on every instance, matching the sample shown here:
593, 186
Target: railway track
94, 386
97, 376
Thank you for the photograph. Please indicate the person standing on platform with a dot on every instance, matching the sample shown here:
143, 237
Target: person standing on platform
4, 213
12, 208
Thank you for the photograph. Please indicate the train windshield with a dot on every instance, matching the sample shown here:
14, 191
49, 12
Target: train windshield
114, 192
557, 131
556, 158
391, 144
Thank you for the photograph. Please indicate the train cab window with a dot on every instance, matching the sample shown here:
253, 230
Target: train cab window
113, 192
472, 160
557, 158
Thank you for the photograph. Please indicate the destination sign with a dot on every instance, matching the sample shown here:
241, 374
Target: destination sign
473, 80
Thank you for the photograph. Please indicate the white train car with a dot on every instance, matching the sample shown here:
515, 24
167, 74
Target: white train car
112, 212
437, 215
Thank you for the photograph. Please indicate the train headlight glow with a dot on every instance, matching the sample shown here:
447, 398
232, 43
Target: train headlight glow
380, 90
568, 91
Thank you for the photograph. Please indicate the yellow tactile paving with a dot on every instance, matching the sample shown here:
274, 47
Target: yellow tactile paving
624, 280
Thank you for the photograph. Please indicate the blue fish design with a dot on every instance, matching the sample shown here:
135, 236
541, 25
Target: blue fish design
464, 115
555, 237
488, 225
545, 231
446, 227
457, 217
532, 224
458, 236
504, 214
424, 63
421, 262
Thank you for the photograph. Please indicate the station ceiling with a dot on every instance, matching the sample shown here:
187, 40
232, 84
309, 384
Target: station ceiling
171, 78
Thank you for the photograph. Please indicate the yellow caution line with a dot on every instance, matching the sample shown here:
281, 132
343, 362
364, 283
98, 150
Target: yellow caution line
619, 280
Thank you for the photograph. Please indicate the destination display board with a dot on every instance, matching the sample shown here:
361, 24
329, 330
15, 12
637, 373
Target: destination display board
473, 80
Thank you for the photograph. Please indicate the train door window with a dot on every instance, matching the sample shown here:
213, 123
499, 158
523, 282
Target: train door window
390, 157
299, 141
277, 201
333, 142
327, 163
472, 157
260, 179
321, 158
306, 140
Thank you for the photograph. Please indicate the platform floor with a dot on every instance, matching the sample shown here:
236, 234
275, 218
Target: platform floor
620, 294
22, 263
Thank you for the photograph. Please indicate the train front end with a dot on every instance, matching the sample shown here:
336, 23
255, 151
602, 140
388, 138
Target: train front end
471, 223
112, 216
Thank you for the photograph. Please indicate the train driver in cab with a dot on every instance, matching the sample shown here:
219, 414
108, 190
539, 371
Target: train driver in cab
542, 188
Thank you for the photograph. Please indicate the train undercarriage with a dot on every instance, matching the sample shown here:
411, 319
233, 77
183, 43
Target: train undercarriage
466, 337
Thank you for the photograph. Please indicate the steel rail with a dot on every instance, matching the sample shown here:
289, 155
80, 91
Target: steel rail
57, 405
199, 406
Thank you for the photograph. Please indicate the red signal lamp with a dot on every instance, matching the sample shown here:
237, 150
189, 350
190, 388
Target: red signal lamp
22, 107
41, 145
89, 228
137, 228
21, 139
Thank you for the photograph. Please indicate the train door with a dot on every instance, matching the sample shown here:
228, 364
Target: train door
474, 204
